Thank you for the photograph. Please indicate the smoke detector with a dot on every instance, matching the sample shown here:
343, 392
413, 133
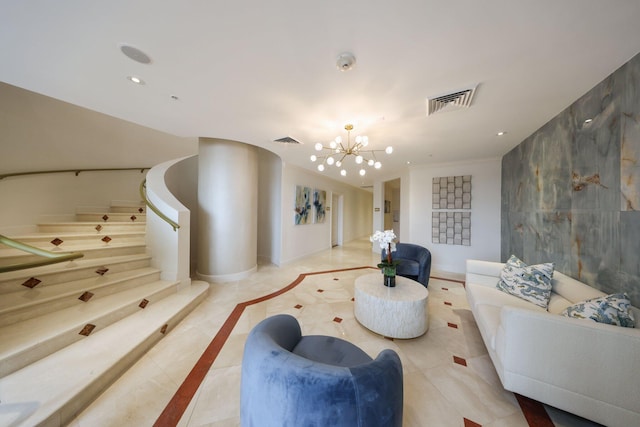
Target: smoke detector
135, 54
346, 61
451, 101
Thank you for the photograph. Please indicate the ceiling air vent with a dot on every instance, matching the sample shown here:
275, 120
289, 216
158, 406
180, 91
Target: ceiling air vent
287, 140
451, 101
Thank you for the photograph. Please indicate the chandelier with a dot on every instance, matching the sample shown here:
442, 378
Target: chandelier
337, 151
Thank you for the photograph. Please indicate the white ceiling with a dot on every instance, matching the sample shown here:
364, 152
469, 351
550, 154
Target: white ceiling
254, 71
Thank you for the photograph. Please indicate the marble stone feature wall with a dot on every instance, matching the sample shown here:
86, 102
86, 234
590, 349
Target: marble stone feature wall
571, 191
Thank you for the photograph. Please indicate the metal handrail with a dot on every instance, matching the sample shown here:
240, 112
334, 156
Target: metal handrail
50, 257
76, 171
145, 199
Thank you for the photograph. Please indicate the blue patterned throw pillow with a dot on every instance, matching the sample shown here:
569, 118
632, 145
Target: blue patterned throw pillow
611, 309
531, 283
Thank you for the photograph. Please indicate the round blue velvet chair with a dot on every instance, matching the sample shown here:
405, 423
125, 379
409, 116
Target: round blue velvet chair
299, 381
415, 262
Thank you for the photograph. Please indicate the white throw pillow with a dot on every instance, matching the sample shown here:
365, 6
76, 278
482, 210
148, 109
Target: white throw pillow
611, 309
530, 283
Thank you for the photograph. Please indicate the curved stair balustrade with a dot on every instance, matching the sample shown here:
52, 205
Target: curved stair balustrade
49, 257
145, 199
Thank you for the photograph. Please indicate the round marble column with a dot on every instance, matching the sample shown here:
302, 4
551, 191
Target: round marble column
228, 209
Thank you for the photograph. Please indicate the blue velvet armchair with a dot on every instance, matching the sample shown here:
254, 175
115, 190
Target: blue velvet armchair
294, 380
415, 262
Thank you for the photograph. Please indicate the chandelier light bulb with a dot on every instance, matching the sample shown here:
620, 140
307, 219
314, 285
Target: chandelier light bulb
333, 144
343, 172
358, 139
388, 150
370, 162
377, 165
359, 159
365, 141
318, 146
320, 168
313, 158
362, 172
338, 163
330, 160
338, 140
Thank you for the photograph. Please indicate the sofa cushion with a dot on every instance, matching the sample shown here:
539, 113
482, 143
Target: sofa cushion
531, 283
572, 289
610, 309
557, 303
488, 319
479, 294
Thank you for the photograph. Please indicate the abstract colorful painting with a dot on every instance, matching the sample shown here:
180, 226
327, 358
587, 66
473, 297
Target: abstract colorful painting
319, 205
303, 205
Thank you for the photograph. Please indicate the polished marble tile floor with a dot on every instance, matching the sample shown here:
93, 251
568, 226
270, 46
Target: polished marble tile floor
192, 377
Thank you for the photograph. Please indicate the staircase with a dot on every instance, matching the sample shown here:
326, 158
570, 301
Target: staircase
69, 330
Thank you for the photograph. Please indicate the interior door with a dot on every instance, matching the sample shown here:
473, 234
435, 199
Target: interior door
335, 221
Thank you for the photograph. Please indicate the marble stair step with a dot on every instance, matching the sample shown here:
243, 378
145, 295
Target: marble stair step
91, 250
26, 342
26, 303
53, 390
131, 209
112, 217
72, 270
106, 227
70, 240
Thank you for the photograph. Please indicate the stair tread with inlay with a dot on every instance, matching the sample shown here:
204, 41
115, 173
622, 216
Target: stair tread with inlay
90, 226
24, 297
90, 250
71, 270
55, 388
111, 216
46, 238
24, 342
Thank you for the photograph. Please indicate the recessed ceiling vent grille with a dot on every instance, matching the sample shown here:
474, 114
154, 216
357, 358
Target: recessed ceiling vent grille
287, 140
451, 101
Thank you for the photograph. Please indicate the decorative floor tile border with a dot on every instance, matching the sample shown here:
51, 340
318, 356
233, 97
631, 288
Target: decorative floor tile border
533, 411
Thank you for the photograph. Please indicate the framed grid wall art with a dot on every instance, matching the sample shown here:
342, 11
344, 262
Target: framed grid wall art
451, 216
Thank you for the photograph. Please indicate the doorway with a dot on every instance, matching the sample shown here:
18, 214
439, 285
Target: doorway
391, 213
336, 219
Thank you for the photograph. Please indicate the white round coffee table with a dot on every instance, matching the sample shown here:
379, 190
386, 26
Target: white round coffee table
398, 312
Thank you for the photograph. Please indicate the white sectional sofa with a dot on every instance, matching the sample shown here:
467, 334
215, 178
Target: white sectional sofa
589, 369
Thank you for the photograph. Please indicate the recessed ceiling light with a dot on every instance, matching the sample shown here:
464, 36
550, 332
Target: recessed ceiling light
136, 80
588, 121
501, 133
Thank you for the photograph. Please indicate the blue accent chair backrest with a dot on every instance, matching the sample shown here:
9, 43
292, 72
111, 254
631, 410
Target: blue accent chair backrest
415, 261
292, 380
